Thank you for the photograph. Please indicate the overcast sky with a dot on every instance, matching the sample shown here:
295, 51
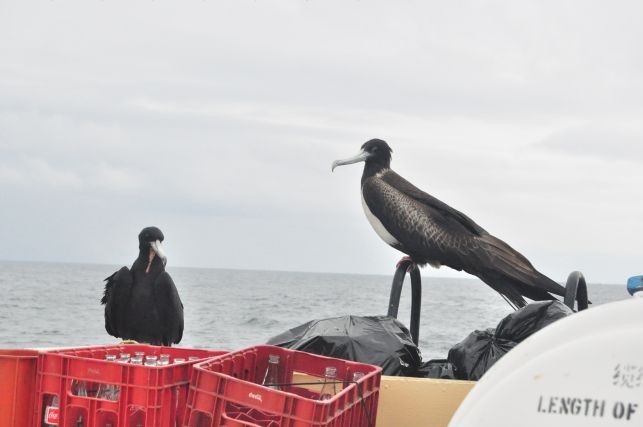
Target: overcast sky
218, 121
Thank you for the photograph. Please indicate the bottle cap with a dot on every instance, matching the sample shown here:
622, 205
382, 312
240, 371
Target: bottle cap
358, 376
330, 371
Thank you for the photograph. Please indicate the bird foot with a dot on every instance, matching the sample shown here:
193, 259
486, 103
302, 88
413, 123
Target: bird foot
405, 259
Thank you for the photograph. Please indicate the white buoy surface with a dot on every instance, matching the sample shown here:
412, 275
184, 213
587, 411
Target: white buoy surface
582, 371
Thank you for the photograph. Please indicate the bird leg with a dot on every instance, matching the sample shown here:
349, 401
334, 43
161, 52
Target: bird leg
405, 259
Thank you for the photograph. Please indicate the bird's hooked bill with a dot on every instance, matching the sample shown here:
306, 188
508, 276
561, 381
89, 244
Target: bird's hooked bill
158, 249
359, 157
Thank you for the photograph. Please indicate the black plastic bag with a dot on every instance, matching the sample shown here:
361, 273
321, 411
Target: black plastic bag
437, 368
473, 356
377, 340
521, 323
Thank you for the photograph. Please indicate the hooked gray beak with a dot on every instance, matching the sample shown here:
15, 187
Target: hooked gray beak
360, 157
158, 249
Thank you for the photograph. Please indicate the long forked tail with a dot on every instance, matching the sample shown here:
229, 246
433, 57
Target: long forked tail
513, 276
515, 292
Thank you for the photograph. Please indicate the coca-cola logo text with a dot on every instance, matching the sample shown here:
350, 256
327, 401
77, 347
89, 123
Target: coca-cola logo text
52, 415
255, 396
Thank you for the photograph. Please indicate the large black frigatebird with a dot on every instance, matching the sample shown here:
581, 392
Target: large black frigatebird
142, 303
432, 232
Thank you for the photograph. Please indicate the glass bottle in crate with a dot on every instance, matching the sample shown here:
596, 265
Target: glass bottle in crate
136, 417
164, 360
51, 411
150, 360
103, 391
108, 391
79, 388
357, 376
177, 391
329, 389
271, 378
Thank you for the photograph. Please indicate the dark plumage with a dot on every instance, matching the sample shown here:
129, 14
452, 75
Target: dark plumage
142, 303
431, 232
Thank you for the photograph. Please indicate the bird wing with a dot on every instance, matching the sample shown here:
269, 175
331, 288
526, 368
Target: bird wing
449, 237
115, 298
405, 187
421, 223
171, 308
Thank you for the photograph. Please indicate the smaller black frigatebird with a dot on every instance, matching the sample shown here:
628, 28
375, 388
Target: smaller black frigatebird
142, 303
431, 232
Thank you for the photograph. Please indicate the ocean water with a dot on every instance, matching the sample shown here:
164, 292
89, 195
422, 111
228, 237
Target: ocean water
50, 304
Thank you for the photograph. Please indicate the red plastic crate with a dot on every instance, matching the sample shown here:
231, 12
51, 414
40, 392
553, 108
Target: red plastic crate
17, 387
225, 391
149, 396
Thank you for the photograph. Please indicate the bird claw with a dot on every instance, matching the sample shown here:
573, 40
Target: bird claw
404, 260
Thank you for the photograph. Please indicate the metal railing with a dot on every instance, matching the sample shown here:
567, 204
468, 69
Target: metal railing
575, 291
416, 295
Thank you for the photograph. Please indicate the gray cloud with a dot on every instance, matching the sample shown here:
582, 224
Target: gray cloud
218, 122
618, 141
